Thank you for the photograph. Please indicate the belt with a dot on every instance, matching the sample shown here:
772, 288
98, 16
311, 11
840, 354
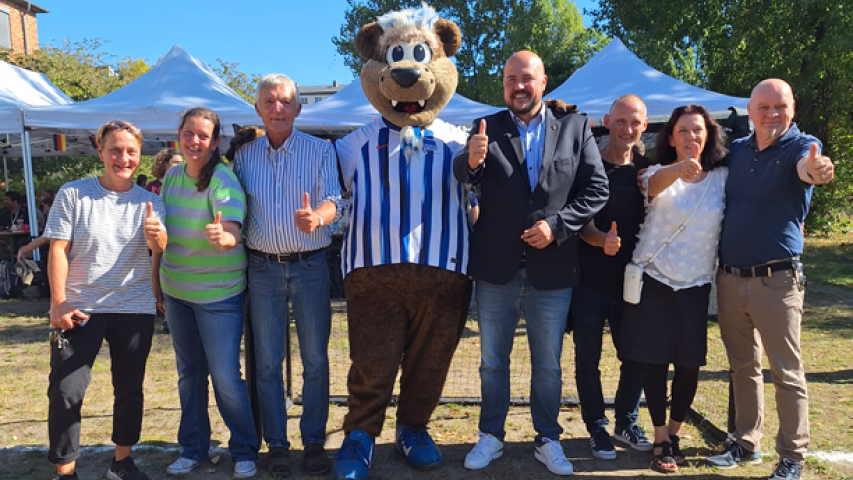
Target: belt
765, 270
285, 257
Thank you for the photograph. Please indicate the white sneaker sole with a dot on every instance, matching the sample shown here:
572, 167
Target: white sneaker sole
604, 455
179, 473
249, 474
495, 456
643, 447
541, 458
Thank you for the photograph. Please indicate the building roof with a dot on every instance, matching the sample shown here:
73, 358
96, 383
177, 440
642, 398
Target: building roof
32, 7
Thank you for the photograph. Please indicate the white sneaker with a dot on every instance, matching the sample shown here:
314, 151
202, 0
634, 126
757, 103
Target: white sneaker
551, 454
181, 466
487, 449
245, 469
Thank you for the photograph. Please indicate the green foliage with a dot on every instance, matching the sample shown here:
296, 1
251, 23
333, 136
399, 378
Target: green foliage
492, 30
241, 83
79, 69
730, 45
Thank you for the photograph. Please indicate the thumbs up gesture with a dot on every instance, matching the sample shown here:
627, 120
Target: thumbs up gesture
214, 232
154, 231
612, 242
478, 147
307, 220
690, 168
819, 169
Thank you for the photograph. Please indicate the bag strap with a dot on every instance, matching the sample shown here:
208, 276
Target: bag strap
680, 227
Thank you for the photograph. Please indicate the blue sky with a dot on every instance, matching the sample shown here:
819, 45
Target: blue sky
293, 37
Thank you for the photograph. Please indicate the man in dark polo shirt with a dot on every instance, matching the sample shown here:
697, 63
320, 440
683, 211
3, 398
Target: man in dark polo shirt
608, 241
760, 296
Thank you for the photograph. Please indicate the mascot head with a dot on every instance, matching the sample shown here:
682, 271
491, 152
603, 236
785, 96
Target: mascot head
408, 77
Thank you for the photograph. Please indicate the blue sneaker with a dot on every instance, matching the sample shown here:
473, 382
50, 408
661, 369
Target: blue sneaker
355, 457
733, 455
418, 448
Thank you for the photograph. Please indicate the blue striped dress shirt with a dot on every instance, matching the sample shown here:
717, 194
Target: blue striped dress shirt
404, 212
533, 140
275, 180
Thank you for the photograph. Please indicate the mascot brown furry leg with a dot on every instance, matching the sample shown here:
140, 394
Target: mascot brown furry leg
405, 251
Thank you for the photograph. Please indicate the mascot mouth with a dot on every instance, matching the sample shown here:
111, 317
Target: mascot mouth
408, 107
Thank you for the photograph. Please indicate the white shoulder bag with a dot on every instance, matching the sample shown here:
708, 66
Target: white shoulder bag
632, 287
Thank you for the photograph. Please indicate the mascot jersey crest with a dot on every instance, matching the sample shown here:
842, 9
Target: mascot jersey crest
405, 250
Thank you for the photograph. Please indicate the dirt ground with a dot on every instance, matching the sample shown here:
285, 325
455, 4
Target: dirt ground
23, 427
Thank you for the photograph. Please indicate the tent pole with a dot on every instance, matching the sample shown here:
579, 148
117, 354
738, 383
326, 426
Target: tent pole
30, 189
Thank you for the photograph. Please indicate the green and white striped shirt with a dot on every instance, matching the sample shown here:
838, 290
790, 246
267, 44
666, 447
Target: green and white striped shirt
192, 269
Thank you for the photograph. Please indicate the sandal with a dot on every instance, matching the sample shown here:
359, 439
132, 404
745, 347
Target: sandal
315, 462
677, 454
278, 462
663, 462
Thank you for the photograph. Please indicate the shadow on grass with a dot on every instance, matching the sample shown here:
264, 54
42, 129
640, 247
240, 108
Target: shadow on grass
16, 334
841, 377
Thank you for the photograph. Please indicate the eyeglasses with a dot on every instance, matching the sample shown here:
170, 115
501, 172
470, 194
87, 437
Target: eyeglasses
116, 126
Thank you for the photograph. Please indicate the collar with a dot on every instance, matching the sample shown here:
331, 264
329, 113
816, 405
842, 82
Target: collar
790, 135
286, 147
534, 122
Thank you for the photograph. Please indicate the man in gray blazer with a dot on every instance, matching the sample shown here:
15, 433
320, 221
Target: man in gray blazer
541, 180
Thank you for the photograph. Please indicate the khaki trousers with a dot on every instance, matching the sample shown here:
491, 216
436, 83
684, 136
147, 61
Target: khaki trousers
768, 312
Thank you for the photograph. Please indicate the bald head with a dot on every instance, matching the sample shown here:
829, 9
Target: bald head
771, 110
524, 83
631, 101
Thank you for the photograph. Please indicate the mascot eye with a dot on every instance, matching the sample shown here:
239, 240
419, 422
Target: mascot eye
395, 54
422, 53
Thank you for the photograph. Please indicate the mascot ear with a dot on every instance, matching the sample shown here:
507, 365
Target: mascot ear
367, 40
448, 33
560, 108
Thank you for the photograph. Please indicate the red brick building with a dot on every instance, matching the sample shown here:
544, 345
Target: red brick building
18, 25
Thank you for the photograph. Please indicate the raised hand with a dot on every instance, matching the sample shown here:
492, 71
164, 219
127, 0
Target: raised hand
154, 230
820, 169
307, 220
214, 232
690, 168
478, 147
612, 242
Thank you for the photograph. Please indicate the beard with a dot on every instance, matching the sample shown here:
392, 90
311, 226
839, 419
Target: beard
527, 108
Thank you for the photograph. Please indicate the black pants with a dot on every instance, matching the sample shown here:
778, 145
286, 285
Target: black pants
684, 385
129, 337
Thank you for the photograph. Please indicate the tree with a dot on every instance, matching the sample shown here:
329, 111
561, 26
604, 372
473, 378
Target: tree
491, 31
241, 83
731, 45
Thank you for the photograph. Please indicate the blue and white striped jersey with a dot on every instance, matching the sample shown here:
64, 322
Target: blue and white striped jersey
404, 212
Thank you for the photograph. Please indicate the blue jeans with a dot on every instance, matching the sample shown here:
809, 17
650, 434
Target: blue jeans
590, 308
206, 337
306, 284
545, 314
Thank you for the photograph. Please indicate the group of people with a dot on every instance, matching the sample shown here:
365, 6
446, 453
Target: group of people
559, 220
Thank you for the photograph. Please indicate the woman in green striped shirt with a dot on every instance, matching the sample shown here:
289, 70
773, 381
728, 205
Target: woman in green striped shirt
202, 285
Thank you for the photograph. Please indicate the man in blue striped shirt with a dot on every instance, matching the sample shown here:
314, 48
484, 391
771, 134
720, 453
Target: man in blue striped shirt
291, 184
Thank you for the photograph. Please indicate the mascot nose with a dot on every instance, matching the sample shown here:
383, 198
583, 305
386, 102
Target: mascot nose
406, 77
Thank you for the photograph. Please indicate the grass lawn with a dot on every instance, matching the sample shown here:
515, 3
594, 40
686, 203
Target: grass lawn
827, 353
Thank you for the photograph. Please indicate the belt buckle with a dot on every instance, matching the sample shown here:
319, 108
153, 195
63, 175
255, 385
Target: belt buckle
278, 257
736, 271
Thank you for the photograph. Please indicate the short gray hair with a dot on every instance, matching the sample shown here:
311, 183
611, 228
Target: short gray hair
274, 79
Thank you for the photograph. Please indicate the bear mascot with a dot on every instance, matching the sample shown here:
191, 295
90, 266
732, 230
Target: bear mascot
405, 251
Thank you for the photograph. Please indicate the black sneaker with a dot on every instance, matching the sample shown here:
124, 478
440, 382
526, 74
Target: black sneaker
734, 454
60, 476
602, 447
634, 437
787, 469
125, 470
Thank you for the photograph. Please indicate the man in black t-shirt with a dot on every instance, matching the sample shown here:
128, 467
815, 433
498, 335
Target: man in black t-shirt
609, 241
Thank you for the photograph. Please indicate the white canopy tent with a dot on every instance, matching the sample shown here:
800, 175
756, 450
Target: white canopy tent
616, 71
153, 102
21, 88
349, 109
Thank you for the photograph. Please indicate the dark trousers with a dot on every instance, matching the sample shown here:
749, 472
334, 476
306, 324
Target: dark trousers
589, 309
129, 337
405, 315
684, 385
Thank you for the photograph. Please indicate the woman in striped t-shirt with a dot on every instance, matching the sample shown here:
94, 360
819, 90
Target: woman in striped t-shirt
202, 286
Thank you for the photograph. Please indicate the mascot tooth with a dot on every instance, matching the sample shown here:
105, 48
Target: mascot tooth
405, 251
